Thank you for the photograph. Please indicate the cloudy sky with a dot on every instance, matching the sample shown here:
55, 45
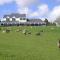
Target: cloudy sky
33, 8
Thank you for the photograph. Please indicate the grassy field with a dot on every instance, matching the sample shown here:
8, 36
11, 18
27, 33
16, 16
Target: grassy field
17, 46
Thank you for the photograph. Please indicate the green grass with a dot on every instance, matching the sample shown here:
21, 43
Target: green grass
17, 46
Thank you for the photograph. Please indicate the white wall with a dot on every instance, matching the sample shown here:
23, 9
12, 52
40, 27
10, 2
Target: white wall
10, 19
4, 19
18, 19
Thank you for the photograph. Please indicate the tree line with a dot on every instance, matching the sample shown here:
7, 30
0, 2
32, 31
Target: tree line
49, 23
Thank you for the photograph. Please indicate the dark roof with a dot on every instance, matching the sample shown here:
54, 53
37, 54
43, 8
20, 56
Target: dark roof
33, 23
17, 15
10, 22
36, 21
16, 22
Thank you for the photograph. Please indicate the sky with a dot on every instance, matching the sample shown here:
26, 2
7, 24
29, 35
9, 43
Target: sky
49, 9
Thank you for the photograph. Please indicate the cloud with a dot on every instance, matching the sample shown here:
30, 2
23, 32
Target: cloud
22, 3
23, 6
41, 11
25, 10
55, 13
58, 0
25, 3
5, 1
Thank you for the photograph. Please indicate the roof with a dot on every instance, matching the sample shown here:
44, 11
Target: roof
10, 22
17, 15
35, 21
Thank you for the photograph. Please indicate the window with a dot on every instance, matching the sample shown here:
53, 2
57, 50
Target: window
13, 19
20, 18
7, 19
23, 18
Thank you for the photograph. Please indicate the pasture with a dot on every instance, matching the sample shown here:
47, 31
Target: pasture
15, 45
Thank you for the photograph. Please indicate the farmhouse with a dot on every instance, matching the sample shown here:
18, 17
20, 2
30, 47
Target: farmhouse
15, 17
20, 19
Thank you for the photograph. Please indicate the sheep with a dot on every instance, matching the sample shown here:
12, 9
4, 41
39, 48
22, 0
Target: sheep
3, 31
18, 30
7, 30
31, 27
24, 31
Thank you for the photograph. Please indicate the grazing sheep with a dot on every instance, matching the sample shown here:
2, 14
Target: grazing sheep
7, 30
31, 26
17, 30
24, 31
3, 31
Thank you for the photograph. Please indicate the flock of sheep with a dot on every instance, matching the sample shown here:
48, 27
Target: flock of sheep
24, 31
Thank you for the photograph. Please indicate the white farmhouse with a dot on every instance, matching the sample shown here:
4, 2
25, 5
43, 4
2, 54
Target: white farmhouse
15, 17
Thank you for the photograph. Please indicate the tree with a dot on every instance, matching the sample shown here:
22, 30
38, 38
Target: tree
46, 21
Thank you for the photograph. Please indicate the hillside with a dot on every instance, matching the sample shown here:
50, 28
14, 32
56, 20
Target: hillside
15, 45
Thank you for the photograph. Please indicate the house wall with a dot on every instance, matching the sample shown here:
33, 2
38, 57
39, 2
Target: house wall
4, 19
17, 19
10, 19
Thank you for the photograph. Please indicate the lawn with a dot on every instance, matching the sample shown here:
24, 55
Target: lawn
17, 46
